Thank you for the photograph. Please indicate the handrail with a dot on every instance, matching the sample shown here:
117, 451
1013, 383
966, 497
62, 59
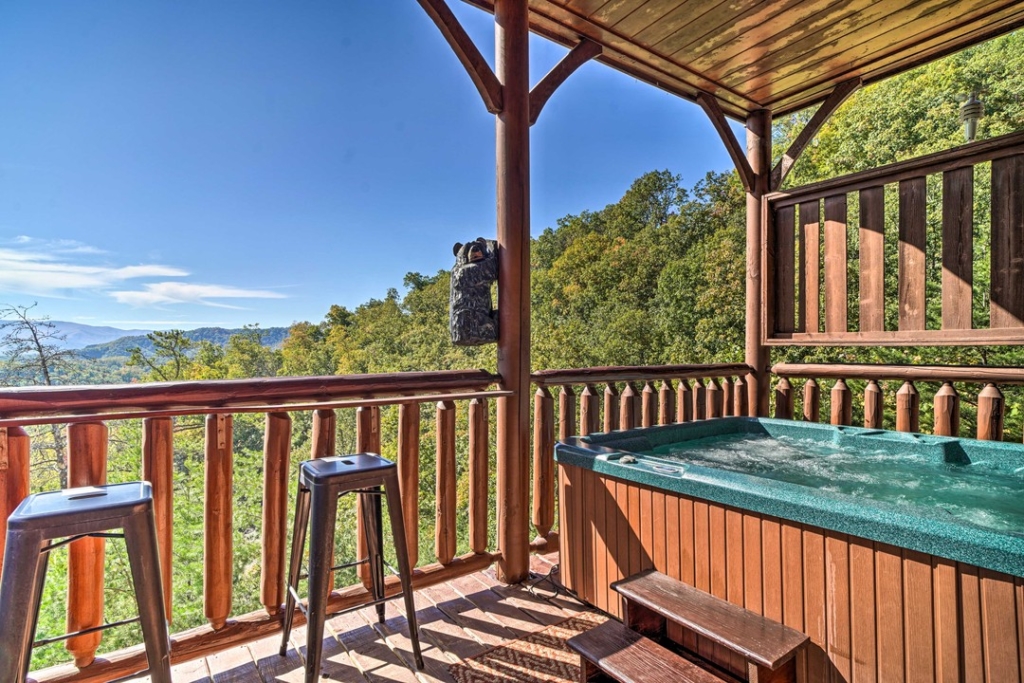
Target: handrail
923, 373
212, 395
629, 373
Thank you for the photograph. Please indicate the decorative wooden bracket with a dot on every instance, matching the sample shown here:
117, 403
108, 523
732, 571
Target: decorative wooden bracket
479, 70
827, 108
711, 107
584, 51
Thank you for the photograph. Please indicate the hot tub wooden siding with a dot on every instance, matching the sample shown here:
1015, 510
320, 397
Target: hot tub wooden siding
874, 612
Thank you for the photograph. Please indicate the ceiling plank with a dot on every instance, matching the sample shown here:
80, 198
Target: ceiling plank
710, 106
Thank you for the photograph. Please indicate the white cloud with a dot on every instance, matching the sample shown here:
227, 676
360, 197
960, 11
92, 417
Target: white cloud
163, 293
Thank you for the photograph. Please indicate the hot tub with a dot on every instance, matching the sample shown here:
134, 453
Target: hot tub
900, 555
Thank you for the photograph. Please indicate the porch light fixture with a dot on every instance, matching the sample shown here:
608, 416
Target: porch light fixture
970, 112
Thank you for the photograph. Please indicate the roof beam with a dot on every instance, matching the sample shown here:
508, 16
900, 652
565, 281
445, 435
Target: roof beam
584, 51
825, 111
479, 70
714, 111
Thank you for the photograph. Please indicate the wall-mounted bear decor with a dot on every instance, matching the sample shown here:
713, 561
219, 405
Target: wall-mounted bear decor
473, 320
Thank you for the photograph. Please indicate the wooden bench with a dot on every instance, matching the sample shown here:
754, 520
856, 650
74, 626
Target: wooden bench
768, 648
629, 657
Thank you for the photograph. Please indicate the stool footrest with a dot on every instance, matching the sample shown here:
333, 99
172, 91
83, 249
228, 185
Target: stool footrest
84, 631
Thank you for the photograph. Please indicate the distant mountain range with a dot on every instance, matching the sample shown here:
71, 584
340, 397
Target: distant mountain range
118, 347
78, 336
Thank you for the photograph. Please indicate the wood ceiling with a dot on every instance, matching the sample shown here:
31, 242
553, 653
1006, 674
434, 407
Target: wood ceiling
783, 55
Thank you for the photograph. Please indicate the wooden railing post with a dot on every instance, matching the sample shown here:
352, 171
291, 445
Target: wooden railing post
566, 412
784, 399
543, 461
158, 470
812, 401
277, 445
611, 407
990, 413
947, 410
14, 469
666, 403
479, 471
841, 404
739, 391
367, 441
727, 402
715, 398
700, 400
444, 524
627, 407
649, 405
87, 466
219, 548
873, 405
908, 408
409, 475
590, 414
323, 434
684, 402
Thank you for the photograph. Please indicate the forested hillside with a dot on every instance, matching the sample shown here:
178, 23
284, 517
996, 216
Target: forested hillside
654, 277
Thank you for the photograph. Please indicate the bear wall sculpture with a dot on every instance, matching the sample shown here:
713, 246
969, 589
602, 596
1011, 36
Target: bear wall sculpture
473, 319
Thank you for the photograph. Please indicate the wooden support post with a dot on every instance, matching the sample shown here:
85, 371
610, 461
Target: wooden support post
566, 413
648, 405
323, 433
841, 404
784, 399
990, 413
14, 469
590, 413
367, 441
611, 408
512, 61
158, 469
447, 495
219, 547
479, 471
684, 402
908, 408
409, 475
757, 356
947, 410
543, 461
666, 403
873, 405
277, 446
627, 407
812, 401
87, 466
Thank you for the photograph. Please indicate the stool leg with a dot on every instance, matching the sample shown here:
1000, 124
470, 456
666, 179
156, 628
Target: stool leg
295, 564
373, 526
20, 591
144, 558
321, 546
402, 555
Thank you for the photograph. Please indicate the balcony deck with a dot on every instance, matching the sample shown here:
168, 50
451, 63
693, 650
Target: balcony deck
458, 619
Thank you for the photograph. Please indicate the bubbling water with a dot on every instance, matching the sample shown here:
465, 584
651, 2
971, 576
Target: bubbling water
978, 493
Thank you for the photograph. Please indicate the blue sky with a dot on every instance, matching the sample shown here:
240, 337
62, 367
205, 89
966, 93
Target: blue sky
179, 164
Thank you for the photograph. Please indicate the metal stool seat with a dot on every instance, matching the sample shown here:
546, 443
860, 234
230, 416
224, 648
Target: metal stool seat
321, 482
69, 515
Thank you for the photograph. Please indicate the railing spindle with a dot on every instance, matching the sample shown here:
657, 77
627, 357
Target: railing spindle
218, 557
566, 412
947, 410
841, 404
14, 469
812, 401
277, 445
784, 399
908, 408
611, 407
700, 400
714, 398
684, 402
649, 405
666, 403
627, 407
323, 433
874, 405
590, 414
87, 466
444, 525
158, 470
479, 468
739, 390
990, 413
727, 400
367, 441
409, 475
543, 461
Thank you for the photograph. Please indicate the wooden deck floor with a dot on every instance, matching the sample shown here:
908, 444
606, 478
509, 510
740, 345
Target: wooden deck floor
457, 620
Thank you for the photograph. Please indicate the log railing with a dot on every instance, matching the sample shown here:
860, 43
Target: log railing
615, 398
990, 403
87, 410
809, 231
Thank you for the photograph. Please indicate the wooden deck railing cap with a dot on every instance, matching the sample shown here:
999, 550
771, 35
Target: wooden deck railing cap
922, 373
629, 373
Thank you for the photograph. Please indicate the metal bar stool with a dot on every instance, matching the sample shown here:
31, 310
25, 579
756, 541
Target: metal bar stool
321, 482
69, 515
